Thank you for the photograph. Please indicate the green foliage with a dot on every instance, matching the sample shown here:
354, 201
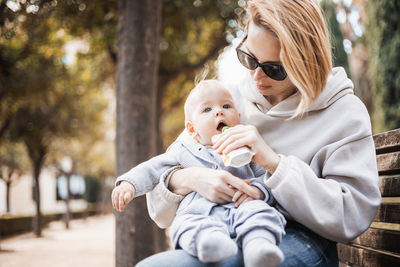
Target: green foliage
13, 160
46, 100
191, 30
339, 55
383, 37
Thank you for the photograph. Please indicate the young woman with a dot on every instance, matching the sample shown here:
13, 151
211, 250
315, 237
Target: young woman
306, 128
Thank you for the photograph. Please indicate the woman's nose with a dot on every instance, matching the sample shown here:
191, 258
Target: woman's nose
258, 74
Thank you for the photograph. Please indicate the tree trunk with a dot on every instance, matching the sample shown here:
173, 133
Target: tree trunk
36, 152
37, 221
137, 66
8, 185
67, 201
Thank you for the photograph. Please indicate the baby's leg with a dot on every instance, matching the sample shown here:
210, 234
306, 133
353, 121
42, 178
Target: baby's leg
259, 249
259, 229
214, 245
206, 238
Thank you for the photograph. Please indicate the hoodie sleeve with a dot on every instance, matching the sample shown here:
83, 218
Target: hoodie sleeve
341, 200
145, 176
162, 204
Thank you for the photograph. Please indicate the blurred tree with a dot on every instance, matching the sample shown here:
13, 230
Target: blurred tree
13, 50
13, 162
139, 27
339, 55
54, 100
35, 70
384, 43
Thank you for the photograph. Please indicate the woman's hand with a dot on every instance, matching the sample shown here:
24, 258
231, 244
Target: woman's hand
240, 197
247, 135
215, 185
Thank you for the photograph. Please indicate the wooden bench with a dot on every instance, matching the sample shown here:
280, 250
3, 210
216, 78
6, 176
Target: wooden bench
380, 244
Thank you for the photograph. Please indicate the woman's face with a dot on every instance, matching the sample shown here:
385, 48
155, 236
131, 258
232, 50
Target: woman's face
264, 46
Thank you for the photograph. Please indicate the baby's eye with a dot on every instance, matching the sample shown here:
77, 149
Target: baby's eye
207, 110
226, 106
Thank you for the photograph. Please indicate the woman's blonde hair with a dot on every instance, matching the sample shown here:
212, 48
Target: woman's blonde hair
303, 36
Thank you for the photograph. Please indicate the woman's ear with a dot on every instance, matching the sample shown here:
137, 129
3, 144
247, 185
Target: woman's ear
190, 129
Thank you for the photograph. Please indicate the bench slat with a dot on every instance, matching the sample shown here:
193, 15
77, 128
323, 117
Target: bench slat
380, 244
380, 239
390, 186
360, 256
388, 212
387, 142
389, 163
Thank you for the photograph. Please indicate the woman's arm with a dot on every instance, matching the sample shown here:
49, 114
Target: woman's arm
340, 202
215, 185
161, 202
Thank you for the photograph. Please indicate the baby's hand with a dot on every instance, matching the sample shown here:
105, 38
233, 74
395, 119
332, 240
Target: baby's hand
239, 197
122, 195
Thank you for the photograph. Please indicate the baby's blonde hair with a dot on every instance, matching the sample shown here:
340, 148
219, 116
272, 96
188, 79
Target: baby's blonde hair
305, 46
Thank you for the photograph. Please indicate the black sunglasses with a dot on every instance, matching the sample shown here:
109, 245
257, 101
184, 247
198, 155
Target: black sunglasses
272, 70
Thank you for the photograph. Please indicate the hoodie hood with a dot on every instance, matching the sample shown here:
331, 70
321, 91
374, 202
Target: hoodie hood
337, 86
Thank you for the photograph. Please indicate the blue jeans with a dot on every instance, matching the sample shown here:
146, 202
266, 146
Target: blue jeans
301, 247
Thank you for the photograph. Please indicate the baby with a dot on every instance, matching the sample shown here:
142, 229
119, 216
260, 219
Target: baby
208, 230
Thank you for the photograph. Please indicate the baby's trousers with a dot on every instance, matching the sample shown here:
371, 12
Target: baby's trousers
234, 222
301, 247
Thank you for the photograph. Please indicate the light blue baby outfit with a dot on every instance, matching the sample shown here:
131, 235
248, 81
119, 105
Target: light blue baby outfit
196, 214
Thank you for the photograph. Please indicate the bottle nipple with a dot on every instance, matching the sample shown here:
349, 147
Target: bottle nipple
224, 128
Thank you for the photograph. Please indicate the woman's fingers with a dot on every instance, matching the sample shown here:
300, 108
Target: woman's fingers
224, 198
225, 188
235, 137
247, 135
241, 185
219, 185
241, 199
237, 195
224, 139
234, 144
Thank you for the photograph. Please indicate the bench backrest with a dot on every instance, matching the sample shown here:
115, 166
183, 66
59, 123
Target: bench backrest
380, 244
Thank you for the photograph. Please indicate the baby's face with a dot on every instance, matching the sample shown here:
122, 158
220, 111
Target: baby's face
211, 109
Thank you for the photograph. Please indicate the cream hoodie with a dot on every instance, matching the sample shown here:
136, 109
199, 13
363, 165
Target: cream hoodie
327, 178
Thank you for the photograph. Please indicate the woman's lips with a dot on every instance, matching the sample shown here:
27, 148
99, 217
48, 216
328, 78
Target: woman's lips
263, 87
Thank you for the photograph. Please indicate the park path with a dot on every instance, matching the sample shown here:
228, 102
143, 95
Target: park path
88, 242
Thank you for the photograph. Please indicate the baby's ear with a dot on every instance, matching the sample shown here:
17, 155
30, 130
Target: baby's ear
190, 129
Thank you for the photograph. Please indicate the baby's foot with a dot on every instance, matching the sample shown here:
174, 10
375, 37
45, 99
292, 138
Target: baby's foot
215, 246
261, 252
